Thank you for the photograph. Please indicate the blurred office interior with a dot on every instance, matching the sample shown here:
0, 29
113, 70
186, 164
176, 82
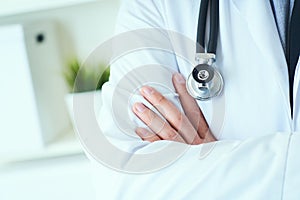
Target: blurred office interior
40, 154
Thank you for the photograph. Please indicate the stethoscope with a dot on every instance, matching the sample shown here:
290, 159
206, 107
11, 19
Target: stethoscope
205, 81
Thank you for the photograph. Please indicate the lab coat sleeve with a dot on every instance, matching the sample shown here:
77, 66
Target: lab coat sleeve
138, 27
258, 168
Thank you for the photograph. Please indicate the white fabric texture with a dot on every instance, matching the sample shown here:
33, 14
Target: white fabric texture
256, 155
261, 168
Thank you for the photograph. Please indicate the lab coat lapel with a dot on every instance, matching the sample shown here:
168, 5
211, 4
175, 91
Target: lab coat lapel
262, 26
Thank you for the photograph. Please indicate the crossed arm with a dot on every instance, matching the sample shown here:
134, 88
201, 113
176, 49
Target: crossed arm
189, 127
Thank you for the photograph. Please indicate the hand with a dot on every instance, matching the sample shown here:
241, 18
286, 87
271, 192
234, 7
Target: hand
189, 127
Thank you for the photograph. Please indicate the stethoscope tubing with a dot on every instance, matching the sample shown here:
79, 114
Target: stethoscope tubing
214, 26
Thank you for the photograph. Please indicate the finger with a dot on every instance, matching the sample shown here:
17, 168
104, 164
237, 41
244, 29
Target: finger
191, 108
147, 135
170, 112
156, 123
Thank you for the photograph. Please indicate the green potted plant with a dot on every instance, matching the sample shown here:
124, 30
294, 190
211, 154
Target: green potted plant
85, 78
85, 82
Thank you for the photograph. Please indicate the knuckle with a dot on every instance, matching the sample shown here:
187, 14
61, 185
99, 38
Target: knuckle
159, 126
161, 99
178, 119
171, 135
149, 117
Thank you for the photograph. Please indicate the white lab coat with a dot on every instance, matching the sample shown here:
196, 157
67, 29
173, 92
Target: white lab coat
251, 159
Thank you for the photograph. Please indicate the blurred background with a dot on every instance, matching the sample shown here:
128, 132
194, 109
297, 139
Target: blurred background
42, 43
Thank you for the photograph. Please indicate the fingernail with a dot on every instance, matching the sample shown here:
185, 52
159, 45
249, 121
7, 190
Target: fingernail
179, 78
147, 90
140, 107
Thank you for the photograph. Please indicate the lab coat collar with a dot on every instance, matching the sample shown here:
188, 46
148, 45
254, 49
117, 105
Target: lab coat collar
262, 26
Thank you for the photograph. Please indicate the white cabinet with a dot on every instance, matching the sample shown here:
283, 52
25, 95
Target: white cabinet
11, 7
33, 112
19, 113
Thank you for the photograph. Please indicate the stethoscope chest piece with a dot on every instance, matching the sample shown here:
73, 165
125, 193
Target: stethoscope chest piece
205, 81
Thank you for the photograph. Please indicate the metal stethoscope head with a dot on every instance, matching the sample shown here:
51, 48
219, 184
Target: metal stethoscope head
205, 81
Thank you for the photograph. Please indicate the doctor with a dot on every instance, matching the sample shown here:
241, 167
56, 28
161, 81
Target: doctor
256, 54
261, 108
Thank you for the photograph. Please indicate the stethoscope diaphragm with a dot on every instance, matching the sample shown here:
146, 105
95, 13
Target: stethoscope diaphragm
205, 81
